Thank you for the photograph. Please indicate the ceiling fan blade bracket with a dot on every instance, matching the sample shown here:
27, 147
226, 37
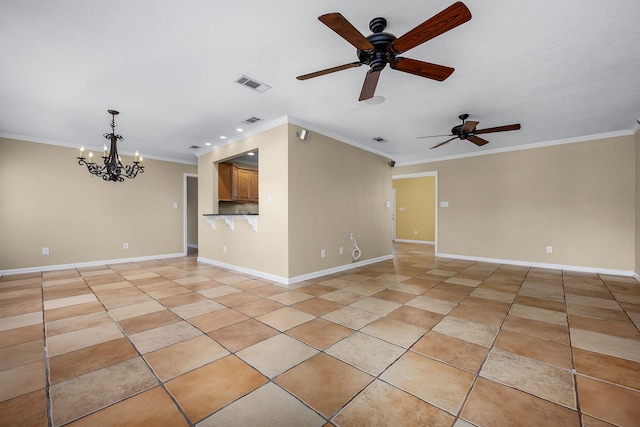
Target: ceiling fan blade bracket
369, 86
329, 70
422, 69
497, 129
448, 19
346, 30
477, 140
444, 142
469, 126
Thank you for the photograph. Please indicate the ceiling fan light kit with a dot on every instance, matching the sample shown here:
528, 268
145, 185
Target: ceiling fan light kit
380, 48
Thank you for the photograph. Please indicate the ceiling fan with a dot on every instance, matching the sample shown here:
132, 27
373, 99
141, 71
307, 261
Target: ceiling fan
467, 130
380, 48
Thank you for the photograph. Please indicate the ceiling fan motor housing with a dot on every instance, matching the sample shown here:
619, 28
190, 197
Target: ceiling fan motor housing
380, 56
457, 130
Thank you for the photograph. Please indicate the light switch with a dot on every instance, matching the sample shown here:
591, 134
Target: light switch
444, 204
175, 205
401, 209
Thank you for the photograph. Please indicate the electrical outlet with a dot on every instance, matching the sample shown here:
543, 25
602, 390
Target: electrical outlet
224, 248
175, 205
125, 246
323, 253
340, 250
45, 251
549, 249
415, 232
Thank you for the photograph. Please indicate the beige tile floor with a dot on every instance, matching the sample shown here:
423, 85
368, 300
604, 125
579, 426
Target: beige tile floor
417, 340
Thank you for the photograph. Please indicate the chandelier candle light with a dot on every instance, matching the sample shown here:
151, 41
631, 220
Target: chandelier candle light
113, 169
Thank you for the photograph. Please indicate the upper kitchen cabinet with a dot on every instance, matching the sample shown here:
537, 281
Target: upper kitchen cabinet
237, 183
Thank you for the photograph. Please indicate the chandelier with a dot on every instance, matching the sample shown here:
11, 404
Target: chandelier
112, 169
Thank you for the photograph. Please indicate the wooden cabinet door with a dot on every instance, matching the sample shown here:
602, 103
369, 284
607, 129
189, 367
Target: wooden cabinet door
254, 186
244, 185
225, 181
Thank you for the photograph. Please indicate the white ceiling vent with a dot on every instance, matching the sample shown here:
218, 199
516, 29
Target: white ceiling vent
252, 84
252, 120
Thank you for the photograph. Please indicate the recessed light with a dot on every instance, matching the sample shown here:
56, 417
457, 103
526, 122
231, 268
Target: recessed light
251, 153
223, 137
207, 143
239, 129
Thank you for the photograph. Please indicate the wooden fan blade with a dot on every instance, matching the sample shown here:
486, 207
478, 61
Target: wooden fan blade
477, 140
451, 17
445, 142
344, 29
421, 68
498, 129
434, 136
469, 126
369, 86
329, 70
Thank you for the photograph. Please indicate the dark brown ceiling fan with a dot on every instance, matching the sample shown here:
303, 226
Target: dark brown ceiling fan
467, 130
380, 48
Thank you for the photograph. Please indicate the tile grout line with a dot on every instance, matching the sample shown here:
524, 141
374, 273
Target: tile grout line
160, 382
46, 357
477, 375
574, 371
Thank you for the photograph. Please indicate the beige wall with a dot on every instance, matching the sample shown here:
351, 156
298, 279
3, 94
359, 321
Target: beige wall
48, 200
320, 190
578, 198
416, 208
637, 244
267, 249
335, 189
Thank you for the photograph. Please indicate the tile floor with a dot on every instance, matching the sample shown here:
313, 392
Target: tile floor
416, 340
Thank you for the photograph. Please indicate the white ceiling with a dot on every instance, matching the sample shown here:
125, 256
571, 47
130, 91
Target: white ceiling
563, 69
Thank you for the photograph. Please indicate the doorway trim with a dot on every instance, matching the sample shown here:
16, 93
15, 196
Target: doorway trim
420, 175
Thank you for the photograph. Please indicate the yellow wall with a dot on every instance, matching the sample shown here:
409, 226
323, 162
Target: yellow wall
313, 193
48, 200
578, 198
416, 208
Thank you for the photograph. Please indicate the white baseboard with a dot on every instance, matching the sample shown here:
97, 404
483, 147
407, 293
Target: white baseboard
541, 265
86, 264
636, 276
291, 280
192, 245
422, 242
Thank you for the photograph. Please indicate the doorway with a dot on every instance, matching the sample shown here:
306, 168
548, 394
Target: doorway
415, 211
190, 204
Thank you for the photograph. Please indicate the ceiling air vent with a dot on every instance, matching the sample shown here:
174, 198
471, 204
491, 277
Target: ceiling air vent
194, 147
252, 84
379, 139
252, 120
